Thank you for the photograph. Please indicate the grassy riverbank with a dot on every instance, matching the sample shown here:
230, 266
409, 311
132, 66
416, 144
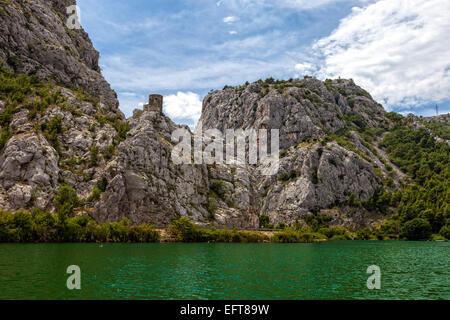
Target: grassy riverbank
68, 226
183, 230
39, 226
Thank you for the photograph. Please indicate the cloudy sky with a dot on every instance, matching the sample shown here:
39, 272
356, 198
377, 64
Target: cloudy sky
397, 50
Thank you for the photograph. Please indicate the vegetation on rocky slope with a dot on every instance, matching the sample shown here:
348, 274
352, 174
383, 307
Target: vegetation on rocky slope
65, 147
64, 226
420, 202
424, 203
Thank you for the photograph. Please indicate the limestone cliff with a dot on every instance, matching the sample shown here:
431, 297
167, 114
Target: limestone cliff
60, 118
35, 40
60, 125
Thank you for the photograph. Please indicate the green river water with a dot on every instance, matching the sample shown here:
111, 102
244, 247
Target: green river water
328, 270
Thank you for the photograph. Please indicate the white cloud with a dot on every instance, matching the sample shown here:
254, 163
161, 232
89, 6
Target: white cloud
200, 75
183, 106
398, 50
232, 32
230, 19
303, 69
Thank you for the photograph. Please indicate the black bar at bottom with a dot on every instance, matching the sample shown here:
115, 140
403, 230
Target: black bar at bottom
224, 309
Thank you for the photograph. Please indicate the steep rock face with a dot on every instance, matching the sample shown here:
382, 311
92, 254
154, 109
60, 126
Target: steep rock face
63, 144
60, 130
315, 172
36, 40
28, 172
300, 109
325, 176
144, 185
60, 136
55, 135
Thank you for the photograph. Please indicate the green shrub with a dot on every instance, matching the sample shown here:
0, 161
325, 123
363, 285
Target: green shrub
339, 237
109, 153
426, 162
143, 233
95, 194
437, 237
390, 228
52, 130
66, 201
184, 230
416, 229
6, 115
364, 234
445, 232
16, 88
286, 236
342, 91
351, 103
316, 220
329, 84
291, 236
315, 178
264, 221
335, 233
353, 201
355, 118
5, 135
122, 128
211, 208
93, 157
288, 176
281, 225
218, 188
22, 222
102, 184
441, 129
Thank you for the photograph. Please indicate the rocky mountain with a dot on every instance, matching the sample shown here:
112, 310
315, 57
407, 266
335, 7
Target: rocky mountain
36, 40
58, 112
324, 160
60, 125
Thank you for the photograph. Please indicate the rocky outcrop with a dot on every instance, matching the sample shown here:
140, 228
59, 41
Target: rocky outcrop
424, 123
144, 185
301, 109
315, 172
324, 177
35, 40
53, 149
28, 172
68, 130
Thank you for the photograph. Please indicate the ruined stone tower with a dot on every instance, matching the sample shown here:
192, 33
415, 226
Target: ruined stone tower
155, 103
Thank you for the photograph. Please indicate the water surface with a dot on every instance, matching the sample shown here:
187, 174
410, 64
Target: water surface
328, 270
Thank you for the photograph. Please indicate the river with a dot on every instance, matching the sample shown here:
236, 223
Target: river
327, 270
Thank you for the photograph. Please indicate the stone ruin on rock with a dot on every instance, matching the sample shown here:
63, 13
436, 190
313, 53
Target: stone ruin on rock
155, 103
